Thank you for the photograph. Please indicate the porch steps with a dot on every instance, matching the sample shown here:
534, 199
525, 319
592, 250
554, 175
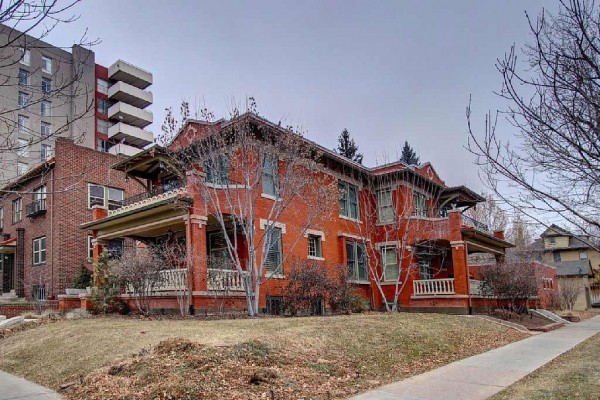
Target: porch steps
550, 315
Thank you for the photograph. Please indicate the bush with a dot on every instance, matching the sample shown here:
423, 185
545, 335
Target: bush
342, 298
358, 303
106, 287
308, 286
83, 279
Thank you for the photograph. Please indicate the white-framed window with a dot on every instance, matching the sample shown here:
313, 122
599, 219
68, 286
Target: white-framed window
102, 86
46, 108
38, 292
356, 261
425, 268
389, 263
17, 210
46, 85
385, 205
583, 255
39, 250
22, 168
39, 193
103, 106
102, 126
90, 247
46, 64
1, 217
23, 147
274, 249
552, 240
315, 246
24, 100
23, 77
45, 152
104, 196
348, 195
103, 145
45, 130
25, 56
420, 201
217, 170
270, 173
23, 124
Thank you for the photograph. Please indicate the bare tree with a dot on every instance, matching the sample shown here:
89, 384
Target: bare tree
490, 213
510, 284
24, 25
175, 264
245, 162
553, 166
139, 270
568, 291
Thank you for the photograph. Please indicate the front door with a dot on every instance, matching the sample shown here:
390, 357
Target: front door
7, 265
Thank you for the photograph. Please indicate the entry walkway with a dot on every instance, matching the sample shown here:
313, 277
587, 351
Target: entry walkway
486, 374
13, 388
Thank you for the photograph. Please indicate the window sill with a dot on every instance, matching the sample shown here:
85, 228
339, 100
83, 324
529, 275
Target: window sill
270, 197
39, 265
383, 223
359, 282
316, 258
390, 283
275, 276
350, 219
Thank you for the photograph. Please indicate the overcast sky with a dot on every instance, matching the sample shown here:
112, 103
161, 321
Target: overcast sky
388, 71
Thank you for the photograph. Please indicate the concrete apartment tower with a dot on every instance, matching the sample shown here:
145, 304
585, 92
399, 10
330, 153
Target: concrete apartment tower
48, 92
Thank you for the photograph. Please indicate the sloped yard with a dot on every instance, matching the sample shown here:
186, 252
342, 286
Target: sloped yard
279, 358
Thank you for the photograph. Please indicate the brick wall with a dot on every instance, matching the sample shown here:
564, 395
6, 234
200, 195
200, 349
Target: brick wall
14, 310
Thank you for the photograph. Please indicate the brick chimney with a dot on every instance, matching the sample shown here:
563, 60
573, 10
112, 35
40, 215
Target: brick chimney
499, 234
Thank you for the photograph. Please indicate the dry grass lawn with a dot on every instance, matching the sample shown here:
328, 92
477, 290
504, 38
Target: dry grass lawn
295, 358
573, 375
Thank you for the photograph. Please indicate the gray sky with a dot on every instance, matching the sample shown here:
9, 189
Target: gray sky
388, 71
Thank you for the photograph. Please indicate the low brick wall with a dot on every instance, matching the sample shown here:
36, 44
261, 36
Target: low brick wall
16, 309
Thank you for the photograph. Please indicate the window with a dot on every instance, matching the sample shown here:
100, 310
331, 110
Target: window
356, 261
46, 85
45, 130
217, 171
274, 251
348, 200
24, 100
90, 247
23, 148
315, 248
110, 198
25, 56
45, 152
23, 124
102, 86
420, 204
385, 206
46, 64
22, 168
102, 126
17, 210
103, 106
39, 193
389, 262
1, 218
38, 292
39, 250
425, 268
23, 77
270, 173
556, 255
552, 240
583, 255
46, 110
116, 248
103, 145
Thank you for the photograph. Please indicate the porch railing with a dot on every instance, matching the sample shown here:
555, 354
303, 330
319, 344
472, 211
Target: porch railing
155, 191
480, 226
169, 280
433, 286
225, 280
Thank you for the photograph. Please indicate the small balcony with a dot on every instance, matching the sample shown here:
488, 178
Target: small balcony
124, 149
157, 194
35, 208
128, 73
129, 114
129, 94
473, 223
131, 134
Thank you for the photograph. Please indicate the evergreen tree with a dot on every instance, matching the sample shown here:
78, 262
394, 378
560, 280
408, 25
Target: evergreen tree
409, 156
348, 148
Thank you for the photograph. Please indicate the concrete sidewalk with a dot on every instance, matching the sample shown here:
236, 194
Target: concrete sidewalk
486, 374
13, 388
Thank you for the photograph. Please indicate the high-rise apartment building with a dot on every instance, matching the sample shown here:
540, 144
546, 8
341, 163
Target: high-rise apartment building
47, 92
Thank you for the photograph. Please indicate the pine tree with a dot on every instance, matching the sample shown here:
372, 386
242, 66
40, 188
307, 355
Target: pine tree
409, 156
348, 148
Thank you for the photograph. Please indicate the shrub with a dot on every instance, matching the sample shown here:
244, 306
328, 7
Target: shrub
342, 298
106, 287
83, 279
307, 286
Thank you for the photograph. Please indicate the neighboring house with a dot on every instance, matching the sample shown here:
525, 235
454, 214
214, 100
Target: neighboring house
575, 276
50, 92
439, 276
560, 245
41, 244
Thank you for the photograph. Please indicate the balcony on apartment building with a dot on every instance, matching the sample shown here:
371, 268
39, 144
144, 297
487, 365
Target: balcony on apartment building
131, 115
135, 136
125, 72
36, 207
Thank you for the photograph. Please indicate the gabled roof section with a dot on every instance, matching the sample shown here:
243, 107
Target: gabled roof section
34, 172
427, 170
555, 230
462, 196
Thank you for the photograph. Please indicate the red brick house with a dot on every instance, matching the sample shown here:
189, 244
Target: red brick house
42, 246
437, 278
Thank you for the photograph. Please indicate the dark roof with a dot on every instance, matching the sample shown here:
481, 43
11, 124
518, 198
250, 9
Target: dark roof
555, 230
574, 268
33, 172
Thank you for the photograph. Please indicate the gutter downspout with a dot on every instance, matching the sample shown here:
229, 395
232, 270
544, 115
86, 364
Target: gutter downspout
52, 234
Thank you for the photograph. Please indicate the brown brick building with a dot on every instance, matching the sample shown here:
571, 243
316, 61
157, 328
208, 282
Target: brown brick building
42, 246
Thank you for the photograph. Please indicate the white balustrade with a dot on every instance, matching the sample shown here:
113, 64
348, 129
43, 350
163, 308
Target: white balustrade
433, 286
225, 280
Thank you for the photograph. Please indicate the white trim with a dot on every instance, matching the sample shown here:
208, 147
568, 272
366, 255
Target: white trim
315, 258
350, 219
219, 186
263, 222
315, 233
270, 197
359, 282
395, 243
355, 237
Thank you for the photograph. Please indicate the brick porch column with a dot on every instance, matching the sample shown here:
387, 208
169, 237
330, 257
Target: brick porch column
459, 253
196, 249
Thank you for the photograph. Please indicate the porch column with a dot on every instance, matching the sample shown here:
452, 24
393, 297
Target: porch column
459, 253
98, 246
196, 250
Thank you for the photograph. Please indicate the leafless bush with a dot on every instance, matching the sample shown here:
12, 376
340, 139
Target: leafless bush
308, 285
511, 284
569, 290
